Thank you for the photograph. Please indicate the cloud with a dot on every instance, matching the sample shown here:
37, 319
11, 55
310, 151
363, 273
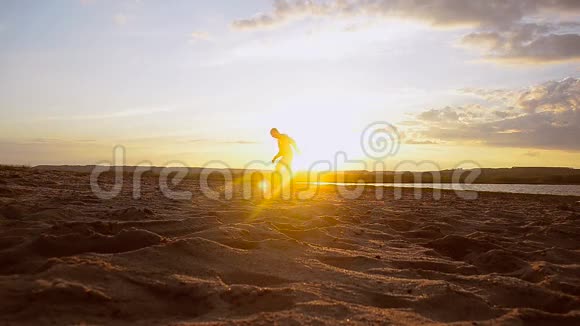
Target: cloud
485, 40
57, 141
185, 140
258, 21
445, 114
199, 35
435, 12
501, 95
242, 142
553, 96
526, 43
504, 30
111, 115
47, 141
542, 116
217, 141
532, 154
420, 142
552, 47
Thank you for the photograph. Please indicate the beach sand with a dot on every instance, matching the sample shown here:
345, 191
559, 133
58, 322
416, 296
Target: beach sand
68, 257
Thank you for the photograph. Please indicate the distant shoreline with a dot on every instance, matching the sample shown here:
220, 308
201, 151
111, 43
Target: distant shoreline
524, 189
514, 175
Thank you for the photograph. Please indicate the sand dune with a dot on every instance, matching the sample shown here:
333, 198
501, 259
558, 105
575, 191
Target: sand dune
67, 257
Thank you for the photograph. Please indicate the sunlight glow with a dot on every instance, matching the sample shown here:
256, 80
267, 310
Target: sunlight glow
263, 186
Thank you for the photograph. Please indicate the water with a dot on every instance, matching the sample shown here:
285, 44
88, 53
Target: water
560, 190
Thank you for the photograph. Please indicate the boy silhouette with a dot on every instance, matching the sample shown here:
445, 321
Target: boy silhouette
285, 144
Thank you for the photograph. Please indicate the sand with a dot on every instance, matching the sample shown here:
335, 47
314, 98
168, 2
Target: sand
67, 257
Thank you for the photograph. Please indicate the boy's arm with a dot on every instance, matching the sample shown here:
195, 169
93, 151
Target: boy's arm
294, 145
276, 157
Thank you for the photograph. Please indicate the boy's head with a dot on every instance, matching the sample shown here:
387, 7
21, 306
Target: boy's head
274, 132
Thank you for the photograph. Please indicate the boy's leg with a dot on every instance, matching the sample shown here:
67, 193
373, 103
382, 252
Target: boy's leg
281, 182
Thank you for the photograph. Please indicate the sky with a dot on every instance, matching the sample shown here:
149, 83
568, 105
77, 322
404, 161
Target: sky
492, 83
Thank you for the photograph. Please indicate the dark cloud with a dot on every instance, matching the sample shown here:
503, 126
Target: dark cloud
486, 40
499, 25
436, 12
552, 47
526, 43
542, 116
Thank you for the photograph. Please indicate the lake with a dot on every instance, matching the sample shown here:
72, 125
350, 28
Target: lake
560, 190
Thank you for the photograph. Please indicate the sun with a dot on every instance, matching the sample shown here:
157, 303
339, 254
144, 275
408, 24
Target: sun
320, 130
263, 185
318, 152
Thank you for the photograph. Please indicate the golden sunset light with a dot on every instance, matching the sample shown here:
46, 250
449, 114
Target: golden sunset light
289, 162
